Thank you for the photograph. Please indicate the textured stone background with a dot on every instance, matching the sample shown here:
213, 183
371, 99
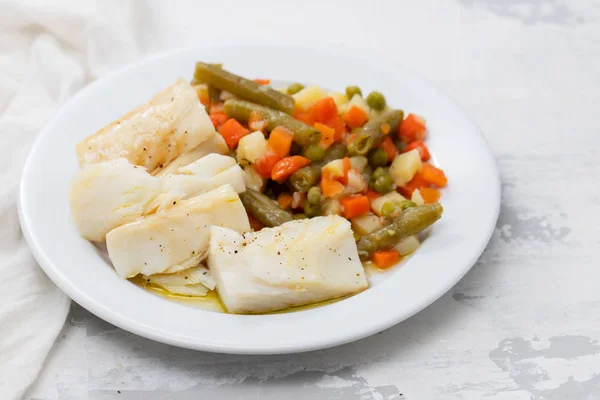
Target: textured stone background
523, 324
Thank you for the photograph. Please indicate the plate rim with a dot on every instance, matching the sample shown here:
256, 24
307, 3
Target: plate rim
70, 289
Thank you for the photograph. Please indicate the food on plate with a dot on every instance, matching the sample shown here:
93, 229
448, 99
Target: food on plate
171, 123
272, 197
214, 144
175, 238
109, 194
299, 262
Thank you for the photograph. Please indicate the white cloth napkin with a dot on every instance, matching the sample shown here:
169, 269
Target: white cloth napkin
48, 51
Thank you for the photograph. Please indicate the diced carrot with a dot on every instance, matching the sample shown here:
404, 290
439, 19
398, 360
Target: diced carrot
385, 128
254, 223
385, 259
419, 145
356, 117
263, 81
325, 109
232, 131
256, 122
417, 182
433, 175
430, 195
265, 165
387, 144
354, 206
347, 166
308, 117
203, 97
285, 200
327, 135
372, 195
280, 141
216, 107
338, 124
412, 128
331, 188
218, 119
287, 166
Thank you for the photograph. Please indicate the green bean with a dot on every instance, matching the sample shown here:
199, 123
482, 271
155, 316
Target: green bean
295, 88
335, 152
410, 222
305, 178
314, 152
376, 101
371, 133
304, 134
314, 195
244, 88
311, 209
264, 209
352, 90
378, 157
214, 94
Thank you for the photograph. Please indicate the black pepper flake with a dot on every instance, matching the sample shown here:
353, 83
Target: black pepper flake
148, 280
144, 149
235, 252
174, 202
278, 253
349, 259
172, 98
193, 252
186, 277
118, 391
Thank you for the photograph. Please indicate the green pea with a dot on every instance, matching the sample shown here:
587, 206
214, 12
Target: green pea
405, 204
378, 158
376, 101
379, 172
295, 88
383, 184
311, 210
352, 90
314, 195
389, 209
314, 152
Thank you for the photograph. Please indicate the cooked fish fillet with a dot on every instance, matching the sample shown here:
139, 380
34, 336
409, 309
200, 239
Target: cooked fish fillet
106, 195
109, 194
214, 144
297, 263
175, 238
172, 123
204, 174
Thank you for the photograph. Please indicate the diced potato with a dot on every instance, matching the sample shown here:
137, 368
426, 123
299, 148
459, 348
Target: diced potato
283, 89
339, 98
253, 179
356, 182
408, 245
358, 101
359, 163
366, 224
308, 96
335, 167
417, 198
332, 207
251, 148
405, 166
377, 204
374, 113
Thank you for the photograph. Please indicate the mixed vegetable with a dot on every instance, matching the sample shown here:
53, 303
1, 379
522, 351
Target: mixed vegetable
308, 152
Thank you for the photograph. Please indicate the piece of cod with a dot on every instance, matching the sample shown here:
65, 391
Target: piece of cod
109, 194
175, 238
297, 263
173, 122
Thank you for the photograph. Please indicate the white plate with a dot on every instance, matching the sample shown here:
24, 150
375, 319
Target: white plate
471, 204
